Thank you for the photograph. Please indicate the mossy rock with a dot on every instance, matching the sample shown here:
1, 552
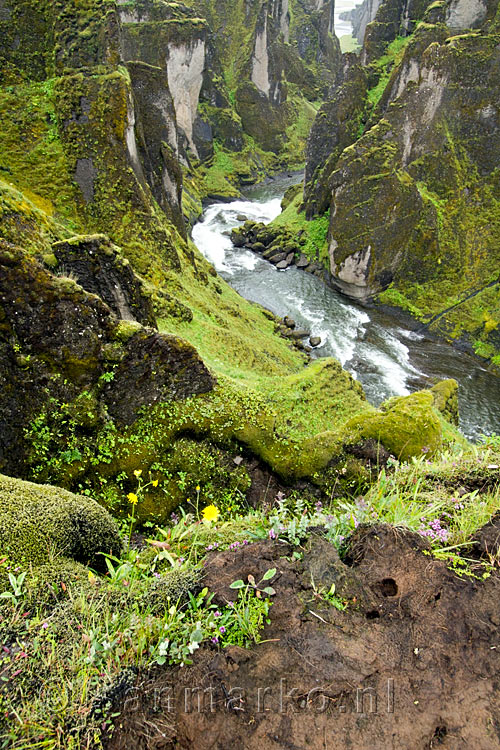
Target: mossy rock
169, 588
36, 520
408, 426
445, 394
55, 581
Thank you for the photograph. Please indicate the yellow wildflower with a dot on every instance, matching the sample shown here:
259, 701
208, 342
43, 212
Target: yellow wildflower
155, 482
197, 488
137, 473
92, 577
210, 513
132, 498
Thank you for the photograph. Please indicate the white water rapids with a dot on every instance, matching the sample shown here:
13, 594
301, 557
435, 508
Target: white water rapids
388, 358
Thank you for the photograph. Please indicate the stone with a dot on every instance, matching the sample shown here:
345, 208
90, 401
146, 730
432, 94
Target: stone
277, 258
300, 333
241, 217
289, 322
315, 340
303, 261
238, 238
282, 265
258, 247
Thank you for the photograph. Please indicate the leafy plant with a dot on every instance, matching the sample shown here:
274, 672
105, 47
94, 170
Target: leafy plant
17, 592
268, 575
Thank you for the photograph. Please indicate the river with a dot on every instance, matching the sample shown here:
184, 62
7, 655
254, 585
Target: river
385, 356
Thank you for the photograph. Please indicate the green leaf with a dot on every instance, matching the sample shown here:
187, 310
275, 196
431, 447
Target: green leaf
239, 584
269, 574
269, 590
197, 635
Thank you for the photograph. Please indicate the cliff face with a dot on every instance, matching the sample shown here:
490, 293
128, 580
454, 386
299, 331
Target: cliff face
411, 179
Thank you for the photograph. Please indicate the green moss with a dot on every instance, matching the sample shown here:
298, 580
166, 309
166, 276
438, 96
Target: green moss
125, 330
408, 426
48, 584
314, 232
383, 66
445, 394
169, 589
36, 520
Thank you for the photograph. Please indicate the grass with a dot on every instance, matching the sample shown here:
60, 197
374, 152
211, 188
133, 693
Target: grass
384, 66
70, 633
349, 44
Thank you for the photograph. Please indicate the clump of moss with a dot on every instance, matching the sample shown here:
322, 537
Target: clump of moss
169, 589
36, 520
407, 426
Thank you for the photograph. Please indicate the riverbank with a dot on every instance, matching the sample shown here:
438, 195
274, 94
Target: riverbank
383, 347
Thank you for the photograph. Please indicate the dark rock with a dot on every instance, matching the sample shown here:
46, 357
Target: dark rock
156, 139
99, 268
289, 322
290, 258
241, 217
277, 257
282, 265
315, 340
69, 337
303, 261
300, 333
271, 252
258, 247
238, 238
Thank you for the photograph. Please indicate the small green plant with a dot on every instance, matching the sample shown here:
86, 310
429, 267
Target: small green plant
268, 575
17, 592
329, 596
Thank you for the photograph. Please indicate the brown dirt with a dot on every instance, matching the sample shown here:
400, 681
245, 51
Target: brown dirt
413, 663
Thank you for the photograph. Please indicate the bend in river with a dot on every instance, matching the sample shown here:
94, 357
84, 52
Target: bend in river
385, 356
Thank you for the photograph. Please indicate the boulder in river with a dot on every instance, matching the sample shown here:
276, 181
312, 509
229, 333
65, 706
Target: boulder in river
282, 265
315, 340
289, 322
303, 261
271, 252
258, 247
277, 258
238, 238
241, 217
299, 333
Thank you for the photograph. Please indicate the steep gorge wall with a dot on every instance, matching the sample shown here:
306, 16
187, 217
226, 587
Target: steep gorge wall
405, 157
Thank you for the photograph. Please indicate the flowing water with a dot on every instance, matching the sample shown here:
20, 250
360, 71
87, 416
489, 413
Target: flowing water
387, 358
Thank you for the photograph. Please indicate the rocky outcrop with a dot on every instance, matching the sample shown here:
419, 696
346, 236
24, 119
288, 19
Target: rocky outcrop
409, 192
62, 348
336, 126
98, 266
361, 16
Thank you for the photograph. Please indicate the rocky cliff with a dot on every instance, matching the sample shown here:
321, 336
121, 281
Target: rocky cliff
405, 158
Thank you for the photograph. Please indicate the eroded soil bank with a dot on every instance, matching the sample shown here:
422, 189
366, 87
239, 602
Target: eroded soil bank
412, 662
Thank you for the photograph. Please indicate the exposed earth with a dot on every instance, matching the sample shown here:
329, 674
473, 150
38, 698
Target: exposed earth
412, 663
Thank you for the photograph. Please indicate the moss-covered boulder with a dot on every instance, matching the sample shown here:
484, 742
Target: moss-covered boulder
406, 426
445, 395
39, 520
